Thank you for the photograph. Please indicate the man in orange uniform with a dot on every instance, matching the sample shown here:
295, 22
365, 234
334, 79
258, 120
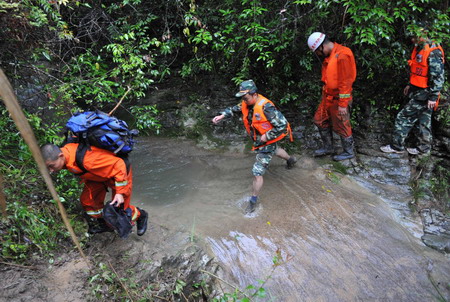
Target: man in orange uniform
338, 75
266, 126
104, 170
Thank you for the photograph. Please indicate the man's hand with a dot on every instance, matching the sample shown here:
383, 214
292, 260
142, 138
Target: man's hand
263, 138
342, 110
431, 104
218, 118
117, 200
406, 90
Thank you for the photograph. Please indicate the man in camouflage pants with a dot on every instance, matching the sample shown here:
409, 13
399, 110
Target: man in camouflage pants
426, 81
266, 126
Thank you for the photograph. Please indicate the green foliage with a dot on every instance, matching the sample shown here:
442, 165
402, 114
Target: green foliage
96, 61
32, 225
146, 120
443, 113
30, 230
96, 78
136, 46
440, 186
339, 167
104, 282
5, 6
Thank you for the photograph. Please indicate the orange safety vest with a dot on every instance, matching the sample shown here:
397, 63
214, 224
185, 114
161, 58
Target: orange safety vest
419, 65
260, 124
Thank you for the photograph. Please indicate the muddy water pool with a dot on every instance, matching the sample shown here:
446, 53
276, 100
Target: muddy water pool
333, 239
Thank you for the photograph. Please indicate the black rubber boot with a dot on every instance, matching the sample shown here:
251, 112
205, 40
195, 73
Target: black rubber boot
290, 163
99, 226
347, 145
252, 203
141, 223
327, 139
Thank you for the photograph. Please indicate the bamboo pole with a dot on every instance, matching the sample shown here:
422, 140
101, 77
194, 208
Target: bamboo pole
13, 106
2, 198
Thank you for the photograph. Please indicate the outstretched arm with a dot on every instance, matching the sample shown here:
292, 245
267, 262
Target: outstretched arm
226, 113
218, 118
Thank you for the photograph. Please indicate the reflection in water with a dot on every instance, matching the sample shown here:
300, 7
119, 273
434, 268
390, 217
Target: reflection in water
342, 243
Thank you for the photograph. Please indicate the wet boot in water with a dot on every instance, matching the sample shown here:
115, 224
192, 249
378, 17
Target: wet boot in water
290, 163
347, 145
141, 222
99, 226
327, 139
252, 203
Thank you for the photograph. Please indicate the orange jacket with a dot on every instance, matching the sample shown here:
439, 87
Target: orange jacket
260, 124
338, 74
102, 166
419, 65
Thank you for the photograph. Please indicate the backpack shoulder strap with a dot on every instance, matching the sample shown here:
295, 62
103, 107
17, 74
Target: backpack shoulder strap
79, 157
125, 158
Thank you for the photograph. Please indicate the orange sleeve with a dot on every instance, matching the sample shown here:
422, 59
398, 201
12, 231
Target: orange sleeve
103, 165
121, 177
346, 77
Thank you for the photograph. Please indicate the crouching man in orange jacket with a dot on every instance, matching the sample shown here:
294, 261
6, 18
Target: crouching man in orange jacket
103, 170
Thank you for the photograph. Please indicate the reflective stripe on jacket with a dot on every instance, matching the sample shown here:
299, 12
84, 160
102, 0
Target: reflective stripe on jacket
102, 166
419, 65
259, 123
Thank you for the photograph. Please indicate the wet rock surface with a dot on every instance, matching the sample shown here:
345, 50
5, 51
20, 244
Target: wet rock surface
436, 229
333, 240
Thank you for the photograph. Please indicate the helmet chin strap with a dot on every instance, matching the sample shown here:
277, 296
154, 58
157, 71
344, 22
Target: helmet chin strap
318, 58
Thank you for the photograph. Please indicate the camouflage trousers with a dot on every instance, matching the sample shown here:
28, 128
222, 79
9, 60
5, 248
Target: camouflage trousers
414, 114
263, 158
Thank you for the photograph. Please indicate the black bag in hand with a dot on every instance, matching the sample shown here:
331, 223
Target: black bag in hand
118, 218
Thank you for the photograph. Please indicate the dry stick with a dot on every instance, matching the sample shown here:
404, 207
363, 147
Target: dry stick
220, 279
343, 17
18, 265
162, 298
10, 100
121, 283
2, 198
120, 102
184, 297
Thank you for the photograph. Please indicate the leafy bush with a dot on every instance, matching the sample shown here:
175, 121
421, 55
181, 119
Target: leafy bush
32, 225
146, 120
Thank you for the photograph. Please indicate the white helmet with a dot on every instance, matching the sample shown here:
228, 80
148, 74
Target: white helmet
315, 40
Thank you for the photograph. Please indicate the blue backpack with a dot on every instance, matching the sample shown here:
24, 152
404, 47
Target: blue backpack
96, 128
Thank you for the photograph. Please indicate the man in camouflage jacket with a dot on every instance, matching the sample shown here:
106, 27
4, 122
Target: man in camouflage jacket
266, 126
426, 81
